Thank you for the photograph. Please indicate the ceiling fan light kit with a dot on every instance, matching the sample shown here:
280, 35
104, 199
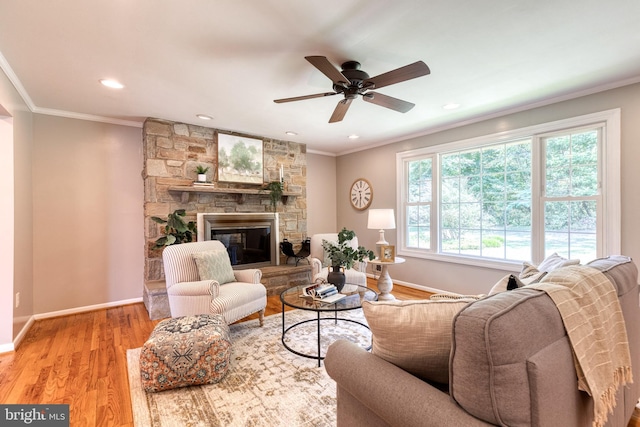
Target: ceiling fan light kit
352, 81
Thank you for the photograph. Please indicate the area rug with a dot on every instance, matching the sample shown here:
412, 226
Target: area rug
266, 385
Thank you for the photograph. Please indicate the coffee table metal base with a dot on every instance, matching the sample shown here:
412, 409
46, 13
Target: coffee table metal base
319, 319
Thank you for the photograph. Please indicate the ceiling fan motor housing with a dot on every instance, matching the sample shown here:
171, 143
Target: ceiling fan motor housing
352, 71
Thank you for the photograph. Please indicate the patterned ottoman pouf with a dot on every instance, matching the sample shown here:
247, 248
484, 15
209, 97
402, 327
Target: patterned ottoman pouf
185, 351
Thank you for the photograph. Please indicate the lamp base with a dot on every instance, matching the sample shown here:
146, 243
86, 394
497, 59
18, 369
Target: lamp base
381, 242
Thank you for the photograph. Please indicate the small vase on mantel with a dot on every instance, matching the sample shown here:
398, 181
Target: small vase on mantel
336, 277
202, 177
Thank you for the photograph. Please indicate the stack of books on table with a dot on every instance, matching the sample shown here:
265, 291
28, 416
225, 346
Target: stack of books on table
204, 184
325, 292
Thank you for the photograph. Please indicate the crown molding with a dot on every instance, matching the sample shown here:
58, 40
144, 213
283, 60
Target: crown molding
90, 117
17, 84
15, 81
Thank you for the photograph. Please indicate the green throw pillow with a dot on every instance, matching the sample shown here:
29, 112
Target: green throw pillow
214, 265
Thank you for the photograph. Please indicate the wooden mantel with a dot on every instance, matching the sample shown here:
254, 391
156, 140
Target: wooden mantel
240, 193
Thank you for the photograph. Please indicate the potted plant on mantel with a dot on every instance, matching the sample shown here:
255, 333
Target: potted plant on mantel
343, 256
175, 229
276, 189
202, 173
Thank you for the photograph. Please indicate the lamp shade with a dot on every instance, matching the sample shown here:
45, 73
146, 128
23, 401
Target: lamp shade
381, 219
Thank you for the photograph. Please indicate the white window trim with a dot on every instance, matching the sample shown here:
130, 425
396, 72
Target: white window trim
610, 191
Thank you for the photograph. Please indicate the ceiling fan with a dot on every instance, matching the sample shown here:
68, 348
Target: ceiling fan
352, 81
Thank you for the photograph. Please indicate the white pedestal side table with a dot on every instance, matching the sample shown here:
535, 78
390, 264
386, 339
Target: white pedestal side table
385, 285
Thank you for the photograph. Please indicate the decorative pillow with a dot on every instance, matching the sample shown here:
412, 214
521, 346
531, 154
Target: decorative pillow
414, 335
528, 270
510, 282
501, 285
214, 265
555, 261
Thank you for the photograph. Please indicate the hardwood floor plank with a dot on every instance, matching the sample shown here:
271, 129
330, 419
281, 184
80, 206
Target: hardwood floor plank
81, 360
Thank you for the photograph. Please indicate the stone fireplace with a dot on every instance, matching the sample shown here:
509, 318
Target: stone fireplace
171, 153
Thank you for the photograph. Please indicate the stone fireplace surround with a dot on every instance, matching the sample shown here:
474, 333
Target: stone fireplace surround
172, 150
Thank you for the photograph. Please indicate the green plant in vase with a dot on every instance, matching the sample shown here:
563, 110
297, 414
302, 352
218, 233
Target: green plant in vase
176, 230
202, 173
343, 256
276, 190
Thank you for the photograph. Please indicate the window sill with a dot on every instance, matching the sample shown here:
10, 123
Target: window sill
508, 266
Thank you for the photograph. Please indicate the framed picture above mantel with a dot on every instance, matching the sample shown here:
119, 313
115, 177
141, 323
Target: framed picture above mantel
240, 159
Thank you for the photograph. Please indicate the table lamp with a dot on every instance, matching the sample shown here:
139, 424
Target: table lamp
381, 219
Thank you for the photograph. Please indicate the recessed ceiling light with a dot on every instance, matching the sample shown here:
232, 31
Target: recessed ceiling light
354, 136
204, 117
450, 106
112, 84
290, 132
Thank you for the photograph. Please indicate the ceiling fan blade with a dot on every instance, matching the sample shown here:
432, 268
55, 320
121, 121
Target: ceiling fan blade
340, 111
300, 98
388, 102
327, 68
408, 72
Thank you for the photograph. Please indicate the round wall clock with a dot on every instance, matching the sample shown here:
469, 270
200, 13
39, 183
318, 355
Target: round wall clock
361, 194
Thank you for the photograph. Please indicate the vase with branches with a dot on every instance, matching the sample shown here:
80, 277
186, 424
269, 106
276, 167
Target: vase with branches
276, 190
343, 256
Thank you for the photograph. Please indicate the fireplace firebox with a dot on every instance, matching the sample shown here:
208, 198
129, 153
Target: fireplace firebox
251, 239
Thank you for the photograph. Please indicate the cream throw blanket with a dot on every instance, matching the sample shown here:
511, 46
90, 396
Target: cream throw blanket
589, 307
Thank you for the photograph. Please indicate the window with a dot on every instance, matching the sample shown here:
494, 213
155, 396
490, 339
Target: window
513, 197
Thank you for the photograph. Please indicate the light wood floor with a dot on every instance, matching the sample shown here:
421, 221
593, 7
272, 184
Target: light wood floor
81, 360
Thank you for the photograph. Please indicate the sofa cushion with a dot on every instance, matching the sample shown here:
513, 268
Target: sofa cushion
414, 335
214, 265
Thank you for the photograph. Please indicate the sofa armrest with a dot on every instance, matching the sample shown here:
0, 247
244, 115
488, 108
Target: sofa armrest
392, 395
250, 275
199, 288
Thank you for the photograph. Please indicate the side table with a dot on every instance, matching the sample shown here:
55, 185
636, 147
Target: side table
385, 285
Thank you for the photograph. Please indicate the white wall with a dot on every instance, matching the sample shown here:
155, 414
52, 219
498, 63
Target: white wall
15, 212
321, 194
378, 166
6, 230
87, 213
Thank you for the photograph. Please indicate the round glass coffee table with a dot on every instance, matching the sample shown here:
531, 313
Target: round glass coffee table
354, 296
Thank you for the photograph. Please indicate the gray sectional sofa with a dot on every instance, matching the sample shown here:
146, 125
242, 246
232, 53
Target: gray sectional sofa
511, 364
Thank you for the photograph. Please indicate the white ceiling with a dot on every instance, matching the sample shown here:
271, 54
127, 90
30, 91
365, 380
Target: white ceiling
231, 58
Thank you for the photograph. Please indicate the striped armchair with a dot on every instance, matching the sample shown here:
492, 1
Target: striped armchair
188, 295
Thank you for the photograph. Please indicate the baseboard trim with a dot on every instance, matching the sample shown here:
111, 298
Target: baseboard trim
12, 346
23, 332
414, 286
7, 348
77, 310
